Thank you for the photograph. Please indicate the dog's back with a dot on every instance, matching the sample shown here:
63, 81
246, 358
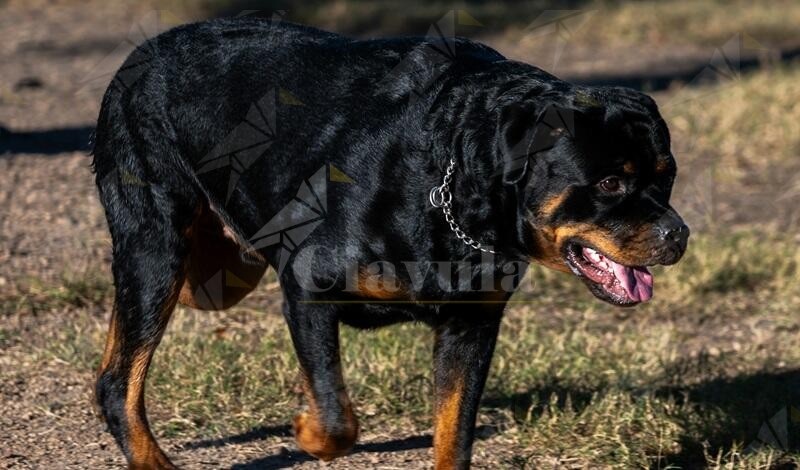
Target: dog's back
205, 92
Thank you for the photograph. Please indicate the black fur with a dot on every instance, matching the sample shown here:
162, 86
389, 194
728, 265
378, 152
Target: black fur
389, 114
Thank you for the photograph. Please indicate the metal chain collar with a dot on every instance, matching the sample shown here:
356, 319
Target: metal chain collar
440, 196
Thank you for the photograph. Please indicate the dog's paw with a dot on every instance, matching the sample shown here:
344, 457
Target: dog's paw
160, 462
315, 440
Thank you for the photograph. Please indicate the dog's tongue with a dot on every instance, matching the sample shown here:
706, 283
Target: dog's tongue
637, 281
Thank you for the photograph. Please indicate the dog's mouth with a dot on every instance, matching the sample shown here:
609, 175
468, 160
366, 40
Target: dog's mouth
608, 280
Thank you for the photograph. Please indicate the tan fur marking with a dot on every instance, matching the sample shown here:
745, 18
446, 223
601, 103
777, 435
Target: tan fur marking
140, 442
551, 242
598, 237
142, 446
661, 165
111, 343
375, 286
312, 436
109, 354
629, 167
549, 207
445, 437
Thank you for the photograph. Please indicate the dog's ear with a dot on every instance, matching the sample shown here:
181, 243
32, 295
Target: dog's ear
512, 144
523, 132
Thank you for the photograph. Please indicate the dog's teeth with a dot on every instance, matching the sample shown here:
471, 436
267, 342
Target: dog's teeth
593, 255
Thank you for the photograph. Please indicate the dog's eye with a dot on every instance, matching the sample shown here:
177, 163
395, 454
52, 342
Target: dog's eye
611, 184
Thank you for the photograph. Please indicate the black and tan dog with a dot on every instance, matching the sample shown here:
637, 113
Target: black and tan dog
229, 146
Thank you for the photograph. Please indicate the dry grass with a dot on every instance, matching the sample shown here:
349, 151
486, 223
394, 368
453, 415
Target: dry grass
738, 144
613, 23
759, 128
675, 22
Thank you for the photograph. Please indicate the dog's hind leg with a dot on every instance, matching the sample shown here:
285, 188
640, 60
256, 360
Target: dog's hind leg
148, 224
148, 277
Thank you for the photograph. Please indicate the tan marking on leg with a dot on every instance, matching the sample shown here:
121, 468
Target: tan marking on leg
144, 451
445, 438
111, 343
109, 355
311, 434
661, 165
141, 444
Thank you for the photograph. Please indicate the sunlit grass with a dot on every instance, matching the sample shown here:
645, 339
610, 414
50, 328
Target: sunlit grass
744, 123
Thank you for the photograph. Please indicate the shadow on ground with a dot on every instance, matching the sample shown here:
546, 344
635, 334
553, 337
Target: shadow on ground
286, 458
255, 434
693, 74
48, 142
755, 410
761, 409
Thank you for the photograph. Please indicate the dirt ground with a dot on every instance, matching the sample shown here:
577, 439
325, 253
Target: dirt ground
51, 224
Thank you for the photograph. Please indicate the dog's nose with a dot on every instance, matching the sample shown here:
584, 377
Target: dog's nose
678, 235
674, 234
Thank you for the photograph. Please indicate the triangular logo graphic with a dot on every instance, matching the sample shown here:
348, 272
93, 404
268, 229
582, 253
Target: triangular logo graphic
795, 415
466, 19
749, 42
209, 294
284, 97
773, 433
130, 178
292, 224
339, 176
170, 19
246, 143
232, 280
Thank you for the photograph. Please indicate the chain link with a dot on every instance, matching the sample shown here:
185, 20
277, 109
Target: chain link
440, 196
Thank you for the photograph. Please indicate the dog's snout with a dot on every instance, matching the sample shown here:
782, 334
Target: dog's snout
674, 236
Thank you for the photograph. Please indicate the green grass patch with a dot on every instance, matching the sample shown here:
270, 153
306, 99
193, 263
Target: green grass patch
81, 290
5, 337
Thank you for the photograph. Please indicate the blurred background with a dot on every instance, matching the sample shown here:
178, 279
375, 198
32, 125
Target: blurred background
705, 376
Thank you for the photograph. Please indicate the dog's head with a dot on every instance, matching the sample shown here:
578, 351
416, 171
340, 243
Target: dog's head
592, 173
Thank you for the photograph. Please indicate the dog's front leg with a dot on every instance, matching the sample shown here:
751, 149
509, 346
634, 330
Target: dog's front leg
462, 354
329, 428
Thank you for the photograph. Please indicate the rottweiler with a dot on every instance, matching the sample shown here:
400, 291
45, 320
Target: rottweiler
386, 180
